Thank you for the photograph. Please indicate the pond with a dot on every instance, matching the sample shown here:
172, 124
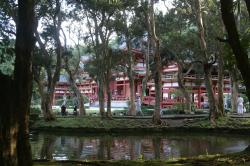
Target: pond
61, 146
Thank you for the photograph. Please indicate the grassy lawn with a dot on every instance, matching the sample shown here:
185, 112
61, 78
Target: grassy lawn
94, 122
226, 122
91, 122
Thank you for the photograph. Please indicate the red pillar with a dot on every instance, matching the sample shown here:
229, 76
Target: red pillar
199, 97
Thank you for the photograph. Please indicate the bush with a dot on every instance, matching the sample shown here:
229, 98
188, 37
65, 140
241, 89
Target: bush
35, 110
70, 101
172, 111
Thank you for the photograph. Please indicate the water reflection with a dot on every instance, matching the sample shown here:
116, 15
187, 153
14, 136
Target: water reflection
63, 147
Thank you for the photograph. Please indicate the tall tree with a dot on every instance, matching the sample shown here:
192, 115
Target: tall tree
51, 37
206, 64
240, 51
72, 60
129, 30
14, 131
158, 67
99, 15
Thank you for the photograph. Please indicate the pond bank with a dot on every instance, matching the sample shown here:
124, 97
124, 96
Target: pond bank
241, 158
96, 125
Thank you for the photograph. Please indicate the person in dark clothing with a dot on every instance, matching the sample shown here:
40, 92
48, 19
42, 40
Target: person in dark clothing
63, 110
75, 110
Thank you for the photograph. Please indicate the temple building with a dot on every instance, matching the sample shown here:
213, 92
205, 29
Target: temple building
171, 95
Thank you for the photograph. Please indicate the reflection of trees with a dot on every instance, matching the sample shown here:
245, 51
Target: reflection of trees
108, 147
48, 147
132, 148
157, 147
105, 144
77, 145
197, 145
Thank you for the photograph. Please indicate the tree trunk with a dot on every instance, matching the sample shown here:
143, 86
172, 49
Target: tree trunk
206, 66
211, 97
132, 110
221, 86
145, 79
76, 90
158, 85
46, 103
101, 97
8, 123
248, 7
158, 69
108, 92
23, 77
234, 93
183, 89
241, 56
130, 73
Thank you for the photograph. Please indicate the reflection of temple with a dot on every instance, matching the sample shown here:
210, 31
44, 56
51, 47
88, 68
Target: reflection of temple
170, 93
64, 147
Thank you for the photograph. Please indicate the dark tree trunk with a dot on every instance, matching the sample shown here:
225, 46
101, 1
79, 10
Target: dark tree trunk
8, 125
248, 7
241, 56
16, 95
25, 41
221, 86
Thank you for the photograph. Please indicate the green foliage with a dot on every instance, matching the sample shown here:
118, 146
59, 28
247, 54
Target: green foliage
70, 102
35, 110
7, 57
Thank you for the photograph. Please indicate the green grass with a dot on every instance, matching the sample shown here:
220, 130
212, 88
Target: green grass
225, 122
93, 122
130, 123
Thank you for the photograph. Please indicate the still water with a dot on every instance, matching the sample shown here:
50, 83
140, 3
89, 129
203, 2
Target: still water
67, 147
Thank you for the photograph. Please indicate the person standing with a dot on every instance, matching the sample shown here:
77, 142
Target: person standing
240, 105
138, 105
